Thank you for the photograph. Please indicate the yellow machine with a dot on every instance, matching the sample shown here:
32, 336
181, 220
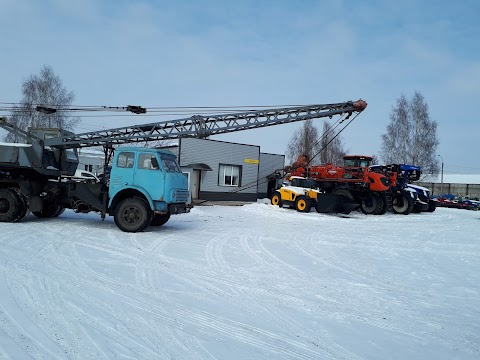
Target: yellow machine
301, 194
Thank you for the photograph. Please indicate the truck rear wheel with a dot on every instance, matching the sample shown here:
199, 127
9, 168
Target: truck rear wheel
23, 210
432, 205
10, 206
402, 204
49, 210
133, 215
302, 204
277, 199
160, 219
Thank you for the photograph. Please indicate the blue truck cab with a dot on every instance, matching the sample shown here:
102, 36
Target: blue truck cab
145, 187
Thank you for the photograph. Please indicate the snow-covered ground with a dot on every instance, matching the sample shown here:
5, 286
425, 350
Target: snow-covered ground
249, 282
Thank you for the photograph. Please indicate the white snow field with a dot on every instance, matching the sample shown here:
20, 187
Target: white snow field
245, 282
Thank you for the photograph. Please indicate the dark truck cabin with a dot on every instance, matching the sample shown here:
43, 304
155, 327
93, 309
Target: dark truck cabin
63, 160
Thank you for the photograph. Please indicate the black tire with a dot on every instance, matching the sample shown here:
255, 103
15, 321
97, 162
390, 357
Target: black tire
402, 204
276, 199
432, 205
10, 206
417, 208
382, 204
344, 192
369, 205
303, 204
23, 212
133, 215
60, 210
49, 211
160, 219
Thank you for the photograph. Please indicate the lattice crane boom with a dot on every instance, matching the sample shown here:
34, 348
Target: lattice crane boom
203, 126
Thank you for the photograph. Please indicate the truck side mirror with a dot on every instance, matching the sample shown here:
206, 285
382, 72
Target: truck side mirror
154, 162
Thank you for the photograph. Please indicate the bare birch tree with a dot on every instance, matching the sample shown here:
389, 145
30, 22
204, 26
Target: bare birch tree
303, 142
45, 89
411, 136
306, 141
331, 150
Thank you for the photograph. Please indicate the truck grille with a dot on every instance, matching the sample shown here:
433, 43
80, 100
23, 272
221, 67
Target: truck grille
180, 196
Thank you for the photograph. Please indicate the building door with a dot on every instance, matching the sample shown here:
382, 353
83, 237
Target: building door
195, 183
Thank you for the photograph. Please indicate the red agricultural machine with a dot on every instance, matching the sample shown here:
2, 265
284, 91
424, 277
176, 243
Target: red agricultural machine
353, 180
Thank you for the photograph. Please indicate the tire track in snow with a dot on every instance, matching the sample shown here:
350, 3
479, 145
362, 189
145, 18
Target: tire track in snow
280, 297
206, 322
214, 253
227, 278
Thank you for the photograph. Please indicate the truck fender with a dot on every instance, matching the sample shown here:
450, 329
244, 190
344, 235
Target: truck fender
132, 191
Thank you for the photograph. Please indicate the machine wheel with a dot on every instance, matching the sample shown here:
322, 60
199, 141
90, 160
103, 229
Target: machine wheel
49, 210
382, 204
417, 208
302, 204
344, 192
10, 206
277, 199
402, 204
370, 205
60, 210
23, 211
133, 215
431, 206
160, 219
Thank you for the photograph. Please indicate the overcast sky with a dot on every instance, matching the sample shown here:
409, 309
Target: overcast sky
224, 53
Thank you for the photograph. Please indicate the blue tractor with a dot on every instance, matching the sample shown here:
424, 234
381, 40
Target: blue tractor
405, 197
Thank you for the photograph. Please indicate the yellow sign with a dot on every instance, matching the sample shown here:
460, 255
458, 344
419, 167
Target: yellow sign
252, 161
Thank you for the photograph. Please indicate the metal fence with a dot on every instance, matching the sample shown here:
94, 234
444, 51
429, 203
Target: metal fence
471, 190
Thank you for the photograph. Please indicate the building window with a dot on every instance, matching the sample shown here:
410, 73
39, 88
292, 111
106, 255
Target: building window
125, 160
229, 175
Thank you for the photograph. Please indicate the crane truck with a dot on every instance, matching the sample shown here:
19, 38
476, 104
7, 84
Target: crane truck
145, 185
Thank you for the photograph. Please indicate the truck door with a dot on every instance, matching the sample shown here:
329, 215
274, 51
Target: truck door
122, 176
149, 176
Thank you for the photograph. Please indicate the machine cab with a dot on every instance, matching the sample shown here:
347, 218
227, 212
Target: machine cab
359, 161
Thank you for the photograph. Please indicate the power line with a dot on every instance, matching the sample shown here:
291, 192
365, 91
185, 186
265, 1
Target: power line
151, 108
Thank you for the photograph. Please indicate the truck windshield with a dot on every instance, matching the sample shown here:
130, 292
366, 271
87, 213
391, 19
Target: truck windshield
169, 163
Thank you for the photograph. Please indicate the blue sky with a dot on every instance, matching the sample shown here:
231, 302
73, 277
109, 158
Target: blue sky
219, 53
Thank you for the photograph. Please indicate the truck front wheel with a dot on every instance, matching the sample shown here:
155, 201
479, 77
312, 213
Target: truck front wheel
133, 215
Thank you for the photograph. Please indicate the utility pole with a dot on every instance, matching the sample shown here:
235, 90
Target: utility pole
441, 179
